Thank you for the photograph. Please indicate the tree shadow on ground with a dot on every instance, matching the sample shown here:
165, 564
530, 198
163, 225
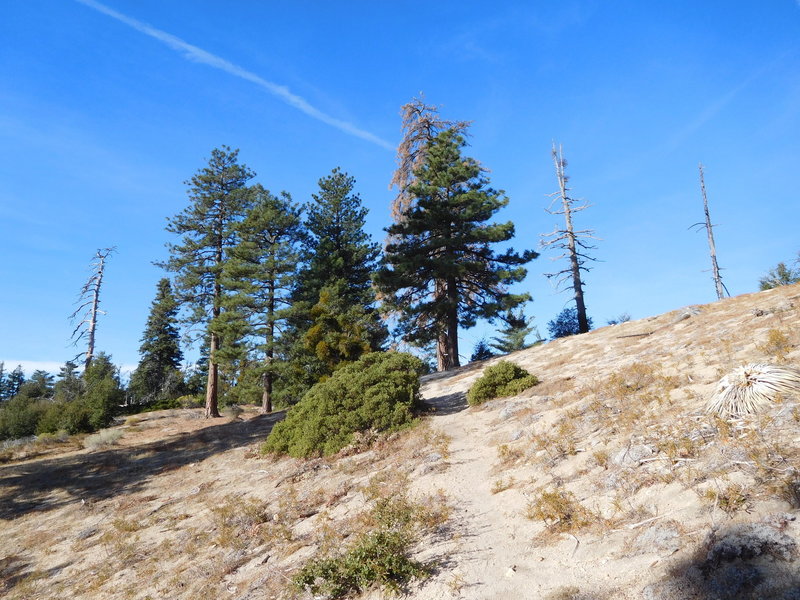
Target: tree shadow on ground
446, 404
751, 561
15, 570
44, 485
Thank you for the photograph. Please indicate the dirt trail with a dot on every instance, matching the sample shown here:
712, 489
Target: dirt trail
491, 539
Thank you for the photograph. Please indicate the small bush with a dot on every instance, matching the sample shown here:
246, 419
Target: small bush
376, 392
503, 379
102, 439
561, 511
19, 416
378, 557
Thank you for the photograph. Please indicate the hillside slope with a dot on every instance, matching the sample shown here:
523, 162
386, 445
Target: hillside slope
606, 481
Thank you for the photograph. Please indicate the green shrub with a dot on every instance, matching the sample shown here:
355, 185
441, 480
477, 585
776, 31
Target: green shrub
503, 379
377, 557
376, 392
18, 417
52, 419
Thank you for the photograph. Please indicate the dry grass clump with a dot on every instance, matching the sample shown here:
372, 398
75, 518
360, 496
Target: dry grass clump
729, 499
561, 512
777, 345
752, 387
102, 439
503, 484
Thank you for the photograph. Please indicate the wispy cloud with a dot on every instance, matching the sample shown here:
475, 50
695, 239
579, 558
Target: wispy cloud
199, 55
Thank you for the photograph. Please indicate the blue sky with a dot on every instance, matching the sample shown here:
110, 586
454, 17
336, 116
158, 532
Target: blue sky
106, 109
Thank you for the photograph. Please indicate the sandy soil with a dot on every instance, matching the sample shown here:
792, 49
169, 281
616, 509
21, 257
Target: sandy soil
183, 507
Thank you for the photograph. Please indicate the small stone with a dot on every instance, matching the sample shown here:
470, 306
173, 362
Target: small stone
632, 455
433, 457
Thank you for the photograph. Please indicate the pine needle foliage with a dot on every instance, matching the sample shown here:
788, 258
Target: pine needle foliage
502, 379
441, 272
158, 377
260, 273
218, 200
377, 392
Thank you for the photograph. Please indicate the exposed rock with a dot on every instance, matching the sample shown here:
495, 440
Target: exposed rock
632, 455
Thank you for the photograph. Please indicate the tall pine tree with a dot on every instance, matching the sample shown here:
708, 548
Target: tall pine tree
158, 375
441, 271
339, 258
260, 272
218, 198
69, 384
14, 381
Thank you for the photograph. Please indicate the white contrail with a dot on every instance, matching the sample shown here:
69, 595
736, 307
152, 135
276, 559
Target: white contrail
199, 55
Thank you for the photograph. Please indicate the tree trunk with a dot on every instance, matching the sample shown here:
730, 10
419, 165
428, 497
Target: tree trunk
575, 267
452, 324
93, 318
266, 397
212, 385
711, 246
447, 339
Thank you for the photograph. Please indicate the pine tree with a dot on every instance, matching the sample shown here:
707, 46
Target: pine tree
158, 375
15, 381
421, 125
68, 384
781, 274
218, 200
481, 351
103, 393
3, 382
336, 253
441, 271
513, 336
89, 306
566, 323
336, 247
261, 272
40, 385
340, 331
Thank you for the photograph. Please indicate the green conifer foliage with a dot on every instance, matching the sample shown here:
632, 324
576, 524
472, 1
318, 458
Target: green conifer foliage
14, 381
158, 375
261, 273
336, 246
218, 200
441, 270
513, 336
376, 392
781, 274
68, 385
340, 332
338, 255
40, 385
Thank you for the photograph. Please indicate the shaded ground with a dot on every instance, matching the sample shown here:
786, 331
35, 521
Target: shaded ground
46, 484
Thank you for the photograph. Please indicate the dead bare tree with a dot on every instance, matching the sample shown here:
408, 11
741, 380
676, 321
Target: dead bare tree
720, 287
89, 306
421, 124
572, 242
